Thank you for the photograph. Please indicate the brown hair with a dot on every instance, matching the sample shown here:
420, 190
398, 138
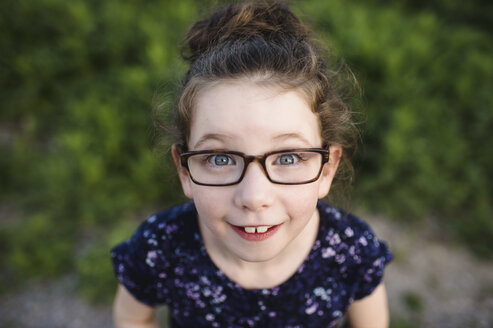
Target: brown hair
265, 42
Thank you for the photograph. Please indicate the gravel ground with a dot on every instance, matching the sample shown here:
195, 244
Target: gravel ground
431, 283
51, 304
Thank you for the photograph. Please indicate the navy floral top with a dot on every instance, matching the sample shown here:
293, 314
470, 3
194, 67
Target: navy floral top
165, 263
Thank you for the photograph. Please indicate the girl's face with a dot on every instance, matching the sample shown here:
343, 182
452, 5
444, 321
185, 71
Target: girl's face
242, 116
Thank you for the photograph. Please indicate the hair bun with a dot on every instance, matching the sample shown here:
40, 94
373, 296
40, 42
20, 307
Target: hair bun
241, 22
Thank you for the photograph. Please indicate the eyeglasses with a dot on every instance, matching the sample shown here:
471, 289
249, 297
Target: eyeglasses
225, 168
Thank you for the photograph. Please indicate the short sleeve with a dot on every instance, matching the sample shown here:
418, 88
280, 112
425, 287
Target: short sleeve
374, 255
134, 264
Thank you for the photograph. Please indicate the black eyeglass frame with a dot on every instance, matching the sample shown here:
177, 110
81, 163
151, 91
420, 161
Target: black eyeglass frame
247, 159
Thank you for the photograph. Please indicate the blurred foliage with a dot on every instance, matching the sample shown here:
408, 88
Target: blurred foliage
78, 80
401, 323
427, 73
414, 301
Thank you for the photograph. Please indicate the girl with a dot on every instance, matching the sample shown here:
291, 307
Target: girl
262, 132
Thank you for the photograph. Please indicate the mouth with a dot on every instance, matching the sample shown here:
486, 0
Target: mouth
256, 233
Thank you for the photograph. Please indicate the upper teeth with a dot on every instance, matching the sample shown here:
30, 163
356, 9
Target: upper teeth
260, 229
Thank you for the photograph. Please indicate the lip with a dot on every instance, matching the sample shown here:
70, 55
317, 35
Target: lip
255, 236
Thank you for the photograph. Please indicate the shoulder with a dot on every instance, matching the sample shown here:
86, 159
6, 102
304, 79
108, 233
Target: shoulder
169, 217
360, 255
160, 230
168, 223
341, 226
141, 261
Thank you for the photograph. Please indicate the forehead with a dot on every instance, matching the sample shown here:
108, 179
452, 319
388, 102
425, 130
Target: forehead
243, 114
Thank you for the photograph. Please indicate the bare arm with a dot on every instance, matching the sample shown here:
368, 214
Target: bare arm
371, 311
130, 313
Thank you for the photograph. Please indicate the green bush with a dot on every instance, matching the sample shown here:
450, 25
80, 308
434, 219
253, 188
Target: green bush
426, 77
79, 79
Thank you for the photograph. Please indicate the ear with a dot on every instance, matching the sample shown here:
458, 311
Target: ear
186, 183
329, 170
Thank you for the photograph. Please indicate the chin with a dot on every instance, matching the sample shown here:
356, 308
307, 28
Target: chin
257, 256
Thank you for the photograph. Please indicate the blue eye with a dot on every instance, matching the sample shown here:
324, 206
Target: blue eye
287, 159
221, 160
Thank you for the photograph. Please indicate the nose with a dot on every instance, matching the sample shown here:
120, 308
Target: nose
254, 192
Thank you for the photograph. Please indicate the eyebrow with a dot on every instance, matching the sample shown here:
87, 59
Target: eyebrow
211, 136
287, 136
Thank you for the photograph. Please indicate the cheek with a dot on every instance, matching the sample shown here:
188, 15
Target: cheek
302, 200
210, 202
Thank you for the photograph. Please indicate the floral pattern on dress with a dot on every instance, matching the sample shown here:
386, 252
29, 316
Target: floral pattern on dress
165, 263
